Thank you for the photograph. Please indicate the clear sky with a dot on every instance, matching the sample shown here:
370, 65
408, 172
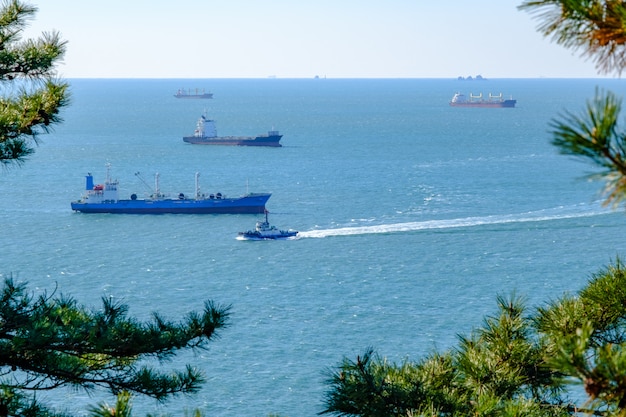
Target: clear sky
302, 39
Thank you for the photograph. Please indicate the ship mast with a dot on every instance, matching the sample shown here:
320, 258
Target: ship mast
157, 192
108, 178
197, 185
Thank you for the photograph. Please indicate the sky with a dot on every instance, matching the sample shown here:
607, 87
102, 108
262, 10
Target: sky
303, 39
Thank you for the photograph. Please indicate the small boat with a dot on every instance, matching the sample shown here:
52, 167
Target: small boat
263, 231
206, 134
181, 93
493, 101
104, 198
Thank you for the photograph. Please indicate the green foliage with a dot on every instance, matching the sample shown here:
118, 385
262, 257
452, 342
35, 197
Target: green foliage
47, 342
499, 369
513, 365
122, 408
595, 136
372, 387
596, 27
593, 352
603, 300
32, 96
15, 403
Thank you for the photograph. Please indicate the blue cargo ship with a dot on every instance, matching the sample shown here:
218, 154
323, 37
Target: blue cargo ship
206, 134
104, 198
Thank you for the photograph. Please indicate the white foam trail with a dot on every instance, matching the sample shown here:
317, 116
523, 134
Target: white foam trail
536, 216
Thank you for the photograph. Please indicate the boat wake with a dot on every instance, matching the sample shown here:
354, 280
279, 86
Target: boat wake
559, 213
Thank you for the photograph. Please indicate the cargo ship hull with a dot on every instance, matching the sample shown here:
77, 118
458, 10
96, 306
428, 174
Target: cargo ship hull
181, 93
486, 104
248, 204
194, 96
263, 140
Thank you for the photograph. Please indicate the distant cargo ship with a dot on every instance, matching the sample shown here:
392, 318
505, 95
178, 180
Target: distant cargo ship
196, 94
460, 100
206, 134
104, 198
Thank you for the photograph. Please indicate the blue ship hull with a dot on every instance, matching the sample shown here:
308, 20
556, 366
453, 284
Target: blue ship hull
248, 204
261, 140
250, 235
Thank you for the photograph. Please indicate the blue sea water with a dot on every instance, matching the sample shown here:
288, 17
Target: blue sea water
414, 216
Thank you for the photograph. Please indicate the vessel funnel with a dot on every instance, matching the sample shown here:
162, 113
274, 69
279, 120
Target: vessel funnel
89, 182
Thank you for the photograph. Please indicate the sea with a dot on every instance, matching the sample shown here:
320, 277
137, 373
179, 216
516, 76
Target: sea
414, 217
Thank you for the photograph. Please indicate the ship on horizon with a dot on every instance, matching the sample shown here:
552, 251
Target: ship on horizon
104, 198
497, 101
197, 93
206, 134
